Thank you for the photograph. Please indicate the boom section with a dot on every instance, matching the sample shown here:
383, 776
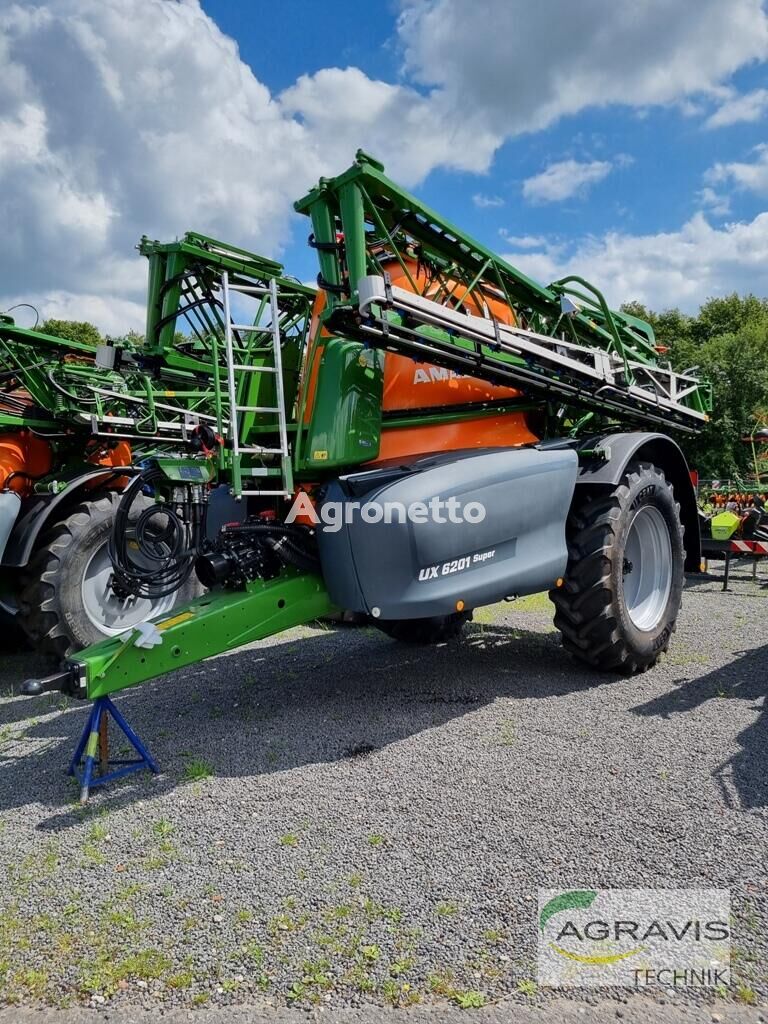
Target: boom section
565, 344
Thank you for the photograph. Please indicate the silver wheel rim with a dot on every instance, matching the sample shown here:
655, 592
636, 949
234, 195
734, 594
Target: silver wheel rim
109, 614
647, 568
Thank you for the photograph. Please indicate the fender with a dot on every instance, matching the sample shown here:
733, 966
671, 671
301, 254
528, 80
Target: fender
39, 509
616, 451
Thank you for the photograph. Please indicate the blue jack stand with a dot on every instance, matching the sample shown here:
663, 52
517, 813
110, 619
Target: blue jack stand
95, 740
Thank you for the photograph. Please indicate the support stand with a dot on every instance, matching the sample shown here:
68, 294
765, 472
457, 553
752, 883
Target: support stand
94, 742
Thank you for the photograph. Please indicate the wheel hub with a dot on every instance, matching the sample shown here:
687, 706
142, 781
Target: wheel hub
647, 568
109, 612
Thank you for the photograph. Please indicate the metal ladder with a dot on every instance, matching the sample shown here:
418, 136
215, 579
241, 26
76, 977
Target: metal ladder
235, 371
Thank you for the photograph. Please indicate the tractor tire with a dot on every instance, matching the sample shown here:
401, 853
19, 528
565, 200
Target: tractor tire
618, 605
436, 630
65, 602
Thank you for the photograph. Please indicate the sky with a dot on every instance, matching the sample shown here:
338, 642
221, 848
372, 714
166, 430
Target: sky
625, 142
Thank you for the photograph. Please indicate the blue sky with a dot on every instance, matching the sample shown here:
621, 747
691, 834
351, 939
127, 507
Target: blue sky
664, 153
623, 142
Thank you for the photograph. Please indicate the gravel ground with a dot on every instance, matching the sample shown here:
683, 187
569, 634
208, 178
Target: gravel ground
346, 824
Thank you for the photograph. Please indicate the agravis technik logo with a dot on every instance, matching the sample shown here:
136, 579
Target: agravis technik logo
677, 938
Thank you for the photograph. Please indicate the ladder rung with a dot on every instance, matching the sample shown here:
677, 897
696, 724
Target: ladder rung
254, 369
284, 494
261, 451
250, 289
250, 327
256, 408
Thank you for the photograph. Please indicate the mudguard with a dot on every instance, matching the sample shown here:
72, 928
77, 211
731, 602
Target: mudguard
614, 452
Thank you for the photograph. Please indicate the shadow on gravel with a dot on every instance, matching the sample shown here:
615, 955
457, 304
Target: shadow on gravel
336, 694
743, 778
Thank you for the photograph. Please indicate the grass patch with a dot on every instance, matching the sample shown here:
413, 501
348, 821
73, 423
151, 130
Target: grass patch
534, 603
197, 769
469, 1000
447, 909
184, 979
745, 994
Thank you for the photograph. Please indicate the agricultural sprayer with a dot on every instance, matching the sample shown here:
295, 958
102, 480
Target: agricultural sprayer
76, 421
433, 376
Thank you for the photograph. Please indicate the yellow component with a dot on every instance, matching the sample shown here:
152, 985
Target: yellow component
169, 394
320, 456
724, 525
611, 958
181, 617
459, 606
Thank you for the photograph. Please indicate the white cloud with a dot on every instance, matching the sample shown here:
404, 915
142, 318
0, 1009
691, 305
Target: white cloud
114, 316
124, 116
564, 179
717, 204
522, 241
678, 268
342, 109
484, 202
750, 106
521, 66
752, 176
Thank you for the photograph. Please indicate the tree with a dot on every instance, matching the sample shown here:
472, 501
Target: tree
73, 330
727, 343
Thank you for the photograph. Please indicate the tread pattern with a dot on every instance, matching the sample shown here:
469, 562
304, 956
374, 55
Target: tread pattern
39, 610
585, 609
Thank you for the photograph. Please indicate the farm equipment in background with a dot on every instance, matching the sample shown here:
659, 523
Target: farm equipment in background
76, 422
432, 371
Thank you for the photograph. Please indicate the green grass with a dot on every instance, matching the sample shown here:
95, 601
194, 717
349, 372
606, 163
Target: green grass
469, 1000
447, 909
744, 994
527, 987
289, 839
375, 839
536, 603
197, 768
182, 980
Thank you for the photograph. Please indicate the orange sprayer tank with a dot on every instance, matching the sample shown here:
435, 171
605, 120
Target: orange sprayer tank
23, 458
410, 386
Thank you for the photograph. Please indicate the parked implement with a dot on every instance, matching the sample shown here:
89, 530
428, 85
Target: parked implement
75, 418
432, 370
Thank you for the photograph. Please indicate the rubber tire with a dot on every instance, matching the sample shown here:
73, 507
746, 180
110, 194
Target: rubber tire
52, 615
436, 630
590, 610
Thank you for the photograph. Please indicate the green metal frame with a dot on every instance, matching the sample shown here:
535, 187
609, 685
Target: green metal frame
211, 625
362, 220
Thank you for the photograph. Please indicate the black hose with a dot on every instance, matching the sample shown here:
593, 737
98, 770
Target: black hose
159, 559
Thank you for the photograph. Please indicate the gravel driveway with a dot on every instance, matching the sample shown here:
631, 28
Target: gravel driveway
344, 821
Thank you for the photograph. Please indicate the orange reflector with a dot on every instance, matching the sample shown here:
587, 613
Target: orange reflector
459, 606
559, 581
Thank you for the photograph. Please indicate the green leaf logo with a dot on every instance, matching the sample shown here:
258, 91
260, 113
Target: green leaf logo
575, 899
